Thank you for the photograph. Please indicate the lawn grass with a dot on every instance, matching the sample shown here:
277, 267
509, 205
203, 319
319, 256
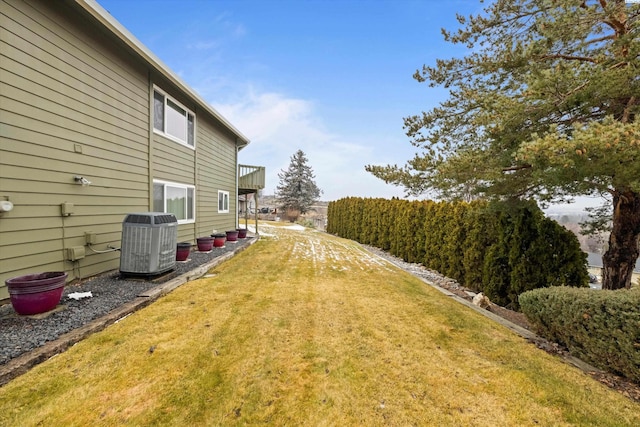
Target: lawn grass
304, 328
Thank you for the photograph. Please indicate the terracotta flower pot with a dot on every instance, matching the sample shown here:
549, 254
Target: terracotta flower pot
183, 250
36, 293
232, 235
219, 239
205, 244
242, 233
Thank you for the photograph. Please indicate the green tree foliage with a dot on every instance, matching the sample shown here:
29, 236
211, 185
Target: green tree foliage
479, 234
525, 273
431, 241
454, 241
563, 255
297, 189
544, 105
416, 242
501, 250
496, 271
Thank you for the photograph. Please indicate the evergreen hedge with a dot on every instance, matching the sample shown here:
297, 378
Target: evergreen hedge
501, 250
602, 328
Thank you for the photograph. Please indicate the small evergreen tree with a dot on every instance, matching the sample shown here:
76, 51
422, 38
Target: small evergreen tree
297, 189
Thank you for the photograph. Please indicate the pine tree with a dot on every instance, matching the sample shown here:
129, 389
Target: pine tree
297, 189
544, 105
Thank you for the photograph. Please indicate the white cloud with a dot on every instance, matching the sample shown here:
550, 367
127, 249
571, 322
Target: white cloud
223, 31
204, 45
278, 126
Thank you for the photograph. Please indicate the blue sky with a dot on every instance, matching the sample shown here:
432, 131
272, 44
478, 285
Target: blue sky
330, 77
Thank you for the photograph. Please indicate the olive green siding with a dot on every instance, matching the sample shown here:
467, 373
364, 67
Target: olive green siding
75, 101
216, 167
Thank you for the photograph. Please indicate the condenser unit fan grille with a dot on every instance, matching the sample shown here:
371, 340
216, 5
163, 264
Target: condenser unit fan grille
148, 243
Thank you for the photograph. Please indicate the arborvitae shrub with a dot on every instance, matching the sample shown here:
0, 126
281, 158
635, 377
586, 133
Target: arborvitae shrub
439, 232
454, 241
431, 244
495, 274
418, 232
480, 234
499, 249
566, 261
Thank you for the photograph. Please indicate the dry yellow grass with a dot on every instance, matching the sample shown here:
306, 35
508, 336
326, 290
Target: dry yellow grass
307, 329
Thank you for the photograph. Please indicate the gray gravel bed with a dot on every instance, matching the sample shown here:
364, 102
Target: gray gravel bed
21, 334
418, 270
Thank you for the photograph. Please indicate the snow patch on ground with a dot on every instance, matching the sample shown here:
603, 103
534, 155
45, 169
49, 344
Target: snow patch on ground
296, 227
323, 254
333, 255
252, 229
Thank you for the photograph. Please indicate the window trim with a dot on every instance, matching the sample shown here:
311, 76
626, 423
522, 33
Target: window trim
186, 187
163, 132
225, 197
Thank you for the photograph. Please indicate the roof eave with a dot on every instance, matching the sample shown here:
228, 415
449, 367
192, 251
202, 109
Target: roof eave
113, 26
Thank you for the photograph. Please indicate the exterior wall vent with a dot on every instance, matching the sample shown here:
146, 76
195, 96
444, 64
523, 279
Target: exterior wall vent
149, 243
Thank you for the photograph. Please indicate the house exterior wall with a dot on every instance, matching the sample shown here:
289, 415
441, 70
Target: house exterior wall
216, 167
74, 101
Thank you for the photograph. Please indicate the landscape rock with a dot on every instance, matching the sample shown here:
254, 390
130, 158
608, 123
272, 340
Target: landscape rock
482, 301
101, 295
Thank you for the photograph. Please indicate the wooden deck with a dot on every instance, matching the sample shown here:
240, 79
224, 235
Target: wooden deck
250, 178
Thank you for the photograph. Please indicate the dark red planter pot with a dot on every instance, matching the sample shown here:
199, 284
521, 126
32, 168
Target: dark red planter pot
36, 293
232, 235
183, 250
242, 233
219, 239
205, 244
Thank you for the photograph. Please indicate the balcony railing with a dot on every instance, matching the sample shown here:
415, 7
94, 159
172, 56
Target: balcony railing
251, 177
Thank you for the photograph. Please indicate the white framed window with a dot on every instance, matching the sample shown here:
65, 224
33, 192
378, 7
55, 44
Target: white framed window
223, 201
173, 120
178, 199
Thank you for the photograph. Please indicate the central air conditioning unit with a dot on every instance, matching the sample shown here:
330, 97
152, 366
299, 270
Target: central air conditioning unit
149, 243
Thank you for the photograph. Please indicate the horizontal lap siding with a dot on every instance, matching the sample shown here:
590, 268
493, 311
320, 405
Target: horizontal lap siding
68, 106
216, 171
174, 162
211, 167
